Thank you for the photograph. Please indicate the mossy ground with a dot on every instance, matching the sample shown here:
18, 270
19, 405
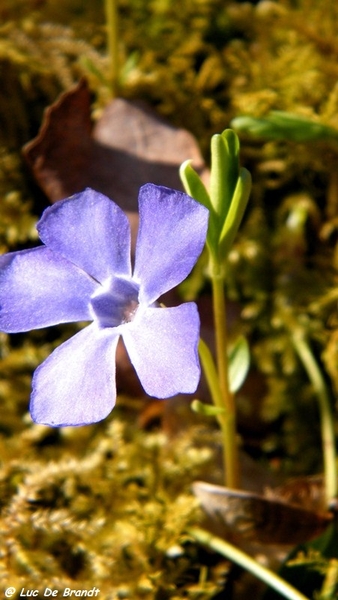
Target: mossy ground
108, 505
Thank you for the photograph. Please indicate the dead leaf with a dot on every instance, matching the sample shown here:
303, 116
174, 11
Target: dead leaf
261, 518
129, 146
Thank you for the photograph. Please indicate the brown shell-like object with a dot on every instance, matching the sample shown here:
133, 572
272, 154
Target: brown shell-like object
128, 146
259, 518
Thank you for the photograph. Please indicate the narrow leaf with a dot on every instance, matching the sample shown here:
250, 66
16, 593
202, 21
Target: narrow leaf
193, 184
236, 212
281, 125
239, 362
224, 171
218, 179
232, 142
206, 410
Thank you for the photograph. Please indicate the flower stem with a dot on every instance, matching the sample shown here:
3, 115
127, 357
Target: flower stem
228, 419
327, 426
211, 375
112, 35
244, 560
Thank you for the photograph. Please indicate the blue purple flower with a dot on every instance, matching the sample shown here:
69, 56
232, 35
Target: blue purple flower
83, 272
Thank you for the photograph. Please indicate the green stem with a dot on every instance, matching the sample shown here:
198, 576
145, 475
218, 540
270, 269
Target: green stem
327, 427
246, 562
112, 35
228, 421
211, 375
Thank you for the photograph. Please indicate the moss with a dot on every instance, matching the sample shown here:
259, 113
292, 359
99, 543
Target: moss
110, 510
108, 505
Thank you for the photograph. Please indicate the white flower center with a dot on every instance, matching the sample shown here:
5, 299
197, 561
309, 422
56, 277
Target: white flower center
116, 303
129, 311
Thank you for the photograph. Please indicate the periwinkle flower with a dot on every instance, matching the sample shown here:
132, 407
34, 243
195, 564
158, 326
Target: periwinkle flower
83, 272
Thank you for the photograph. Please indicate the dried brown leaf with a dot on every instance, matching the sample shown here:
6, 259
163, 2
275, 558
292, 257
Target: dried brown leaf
129, 145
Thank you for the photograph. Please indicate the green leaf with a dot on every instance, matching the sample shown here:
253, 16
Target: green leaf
229, 191
232, 142
281, 125
207, 410
194, 185
224, 171
239, 362
236, 212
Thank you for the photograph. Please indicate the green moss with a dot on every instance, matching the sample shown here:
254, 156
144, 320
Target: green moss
108, 505
110, 509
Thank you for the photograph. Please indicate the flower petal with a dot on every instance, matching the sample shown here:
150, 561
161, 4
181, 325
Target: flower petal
91, 231
75, 385
162, 346
39, 288
171, 236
